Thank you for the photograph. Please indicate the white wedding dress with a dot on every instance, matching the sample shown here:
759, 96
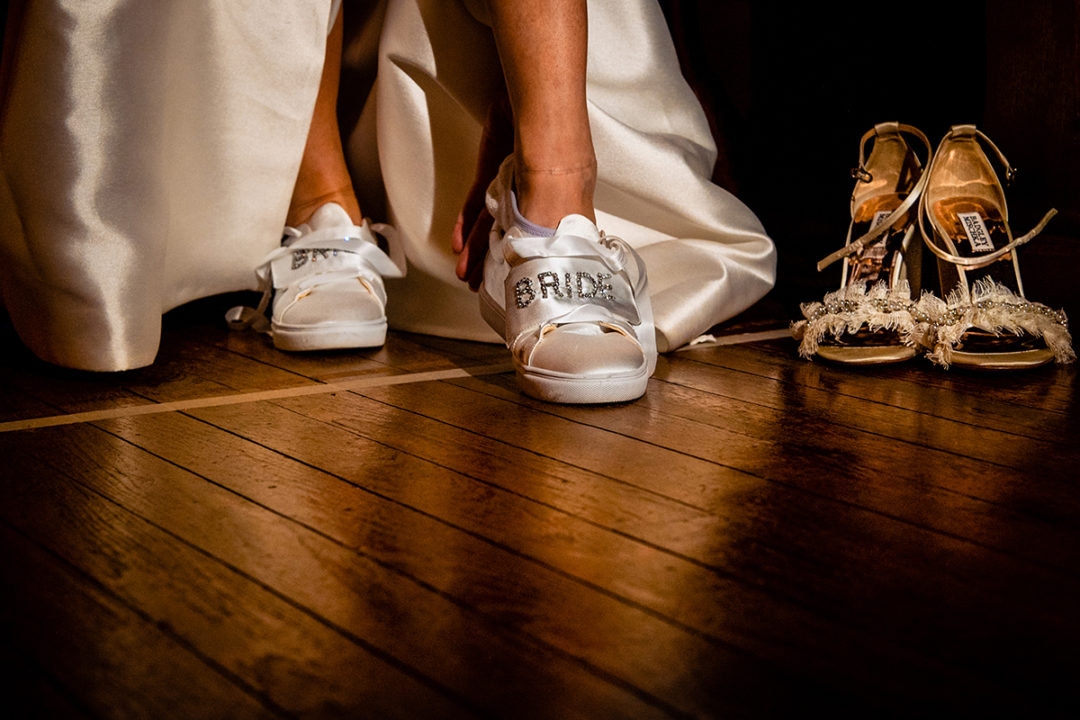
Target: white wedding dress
148, 152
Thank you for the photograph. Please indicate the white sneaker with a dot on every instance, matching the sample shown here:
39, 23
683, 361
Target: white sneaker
327, 286
573, 308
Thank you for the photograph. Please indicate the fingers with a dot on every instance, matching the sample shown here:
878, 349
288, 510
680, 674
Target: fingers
470, 213
457, 237
470, 264
473, 225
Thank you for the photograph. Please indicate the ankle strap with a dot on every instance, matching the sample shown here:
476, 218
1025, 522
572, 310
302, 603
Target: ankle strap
862, 175
972, 131
973, 262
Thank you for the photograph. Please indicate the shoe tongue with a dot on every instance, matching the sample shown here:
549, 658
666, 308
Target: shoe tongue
578, 225
329, 215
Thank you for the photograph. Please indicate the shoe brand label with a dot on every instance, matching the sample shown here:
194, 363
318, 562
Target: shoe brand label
976, 232
879, 217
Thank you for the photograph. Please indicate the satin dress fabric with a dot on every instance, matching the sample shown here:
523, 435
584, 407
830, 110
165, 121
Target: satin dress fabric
148, 152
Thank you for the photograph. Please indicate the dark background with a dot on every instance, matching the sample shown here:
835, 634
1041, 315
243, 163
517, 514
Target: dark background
791, 87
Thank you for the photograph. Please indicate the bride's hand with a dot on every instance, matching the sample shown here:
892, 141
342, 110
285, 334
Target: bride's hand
470, 237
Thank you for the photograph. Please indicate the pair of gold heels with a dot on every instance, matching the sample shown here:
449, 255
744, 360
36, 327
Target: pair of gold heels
954, 200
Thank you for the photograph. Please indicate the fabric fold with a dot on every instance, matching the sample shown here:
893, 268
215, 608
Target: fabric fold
148, 153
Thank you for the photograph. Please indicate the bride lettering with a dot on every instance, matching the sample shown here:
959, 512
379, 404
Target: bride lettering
581, 285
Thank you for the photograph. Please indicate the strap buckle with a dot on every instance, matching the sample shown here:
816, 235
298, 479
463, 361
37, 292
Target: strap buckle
861, 174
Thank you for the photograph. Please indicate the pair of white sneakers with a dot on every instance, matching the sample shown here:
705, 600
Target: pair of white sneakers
573, 308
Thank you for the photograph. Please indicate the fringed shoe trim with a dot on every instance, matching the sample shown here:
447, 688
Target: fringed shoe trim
845, 311
993, 308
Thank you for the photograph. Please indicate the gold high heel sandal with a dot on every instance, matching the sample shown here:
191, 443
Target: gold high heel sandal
985, 321
870, 319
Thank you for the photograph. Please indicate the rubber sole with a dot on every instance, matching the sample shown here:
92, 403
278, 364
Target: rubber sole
583, 391
329, 337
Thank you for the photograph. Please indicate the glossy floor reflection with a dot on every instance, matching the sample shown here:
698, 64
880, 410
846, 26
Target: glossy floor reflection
244, 533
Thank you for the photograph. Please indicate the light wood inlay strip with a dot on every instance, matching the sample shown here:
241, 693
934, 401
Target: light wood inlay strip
345, 385
709, 341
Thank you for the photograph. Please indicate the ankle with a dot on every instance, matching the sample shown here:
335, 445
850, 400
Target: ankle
545, 195
301, 212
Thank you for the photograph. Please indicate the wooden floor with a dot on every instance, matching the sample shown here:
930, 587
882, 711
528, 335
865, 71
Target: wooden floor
238, 532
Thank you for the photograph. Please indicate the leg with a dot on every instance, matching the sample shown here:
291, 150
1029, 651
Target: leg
555, 162
570, 303
555, 166
332, 296
323, 176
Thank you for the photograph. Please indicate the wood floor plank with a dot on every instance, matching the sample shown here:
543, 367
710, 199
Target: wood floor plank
446, 642
591, 448
756, 535
852, 542
608, 441
16, 404
480, 352
29, 381
259, 347
955, 392
618, 639
1001, 447
71, 391
189, 368
27, 686
195, 371
402, 351
752, 619
200, 325
664, 429
116, 662
1042, 516
1030, 536
844, 541
291, 659
406, 350
199, 372
944, 492
34, 694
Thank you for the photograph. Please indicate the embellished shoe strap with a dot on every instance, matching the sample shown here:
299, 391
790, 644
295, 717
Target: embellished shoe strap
848, 310
861, 174
350, 252
993, 308
354, 250
572, 280
612, 251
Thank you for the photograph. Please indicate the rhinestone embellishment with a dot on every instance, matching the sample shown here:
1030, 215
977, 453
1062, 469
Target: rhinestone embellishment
300, 257
952, 316
582, 285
